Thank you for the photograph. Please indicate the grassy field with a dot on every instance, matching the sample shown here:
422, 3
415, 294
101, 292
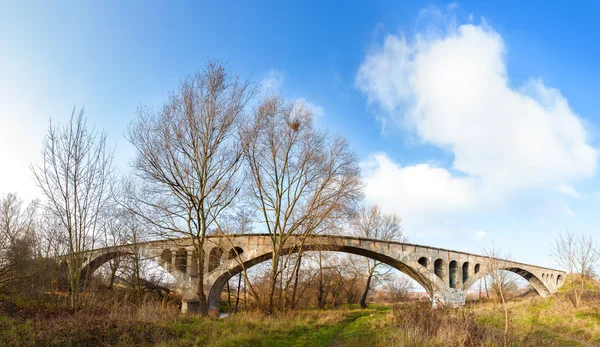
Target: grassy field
534, 322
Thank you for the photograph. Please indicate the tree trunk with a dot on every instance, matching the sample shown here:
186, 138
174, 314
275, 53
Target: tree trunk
505, 308
487, 293
114, 266
297, 274
363, 300
237, 295
320, 299
74, 280
228, 298
245, 296
274, 272
282, 293
202, 304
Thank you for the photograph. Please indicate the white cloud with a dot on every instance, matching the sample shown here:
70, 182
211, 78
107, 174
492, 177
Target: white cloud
411, 189
568, 211
480, 235
272, 81
567, 189
453, 91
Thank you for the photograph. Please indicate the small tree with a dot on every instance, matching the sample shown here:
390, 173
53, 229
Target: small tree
17, 238
579, 256
501, 282
74, 177
398, 287
188, 158
353, 271
372, 223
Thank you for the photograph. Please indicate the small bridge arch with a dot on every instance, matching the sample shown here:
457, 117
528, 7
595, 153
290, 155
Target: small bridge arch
541, 288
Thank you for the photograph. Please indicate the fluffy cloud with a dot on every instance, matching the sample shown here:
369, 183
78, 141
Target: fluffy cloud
415, 188
453, 91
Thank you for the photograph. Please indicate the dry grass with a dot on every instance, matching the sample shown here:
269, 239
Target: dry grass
551, 322
420, 325
116, 320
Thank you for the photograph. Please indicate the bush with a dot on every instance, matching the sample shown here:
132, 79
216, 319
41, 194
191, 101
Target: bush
422, 325
105, 319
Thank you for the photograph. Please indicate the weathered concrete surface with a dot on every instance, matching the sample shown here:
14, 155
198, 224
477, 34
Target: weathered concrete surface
445, 274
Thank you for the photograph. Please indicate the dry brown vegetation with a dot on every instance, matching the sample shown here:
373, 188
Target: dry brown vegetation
112, 318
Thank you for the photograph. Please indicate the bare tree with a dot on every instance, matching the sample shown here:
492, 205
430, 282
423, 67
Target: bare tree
188, 158
51, 240
501, 282
74, 176
17, 237
372, 223
353, 270
398, 287
579, 256
300, 177
16, 220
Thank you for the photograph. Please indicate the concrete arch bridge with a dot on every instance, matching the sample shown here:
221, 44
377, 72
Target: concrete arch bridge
445, 274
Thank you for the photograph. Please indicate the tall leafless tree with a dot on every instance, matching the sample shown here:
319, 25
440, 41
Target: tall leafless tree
301, 177
372, 223
74, 176
188, 158
578, 255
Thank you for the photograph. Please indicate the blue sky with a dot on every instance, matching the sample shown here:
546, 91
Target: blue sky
512, 163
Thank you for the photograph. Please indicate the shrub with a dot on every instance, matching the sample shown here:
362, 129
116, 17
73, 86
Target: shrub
422, 325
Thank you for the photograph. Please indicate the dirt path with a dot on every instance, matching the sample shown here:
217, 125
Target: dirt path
337, 339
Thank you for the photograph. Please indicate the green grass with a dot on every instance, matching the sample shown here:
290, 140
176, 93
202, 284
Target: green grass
548, 322
534, 322
339, 327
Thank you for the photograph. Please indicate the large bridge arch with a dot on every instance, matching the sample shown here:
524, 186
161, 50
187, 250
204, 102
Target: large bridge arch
540, 287
94, 263
419, 274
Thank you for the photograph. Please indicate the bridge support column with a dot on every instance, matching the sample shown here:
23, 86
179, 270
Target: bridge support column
190, 303
189, 298
448, 298
190, 306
